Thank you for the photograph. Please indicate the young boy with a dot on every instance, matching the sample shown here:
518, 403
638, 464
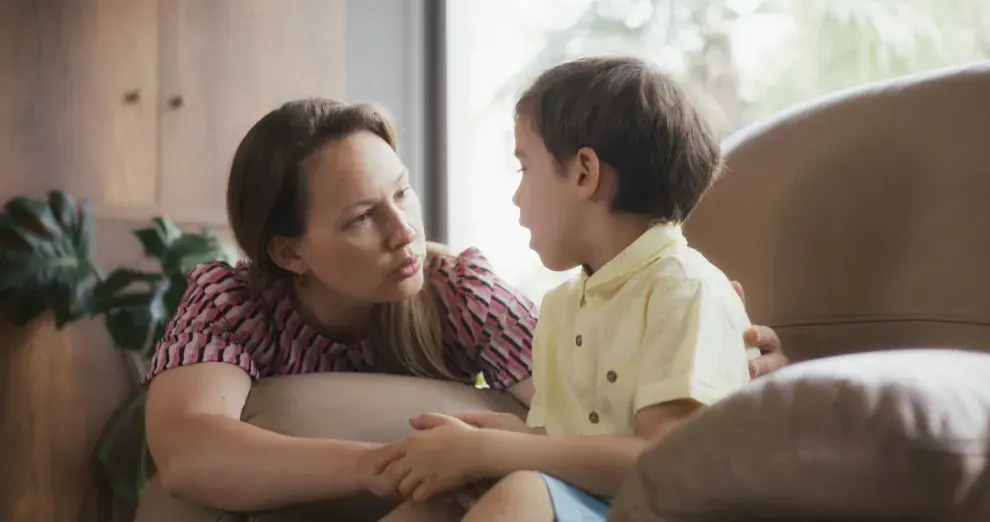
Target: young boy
614, 158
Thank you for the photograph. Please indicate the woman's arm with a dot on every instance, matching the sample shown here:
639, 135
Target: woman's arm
206, 454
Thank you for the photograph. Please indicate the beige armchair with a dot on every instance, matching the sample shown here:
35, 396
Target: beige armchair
861, 221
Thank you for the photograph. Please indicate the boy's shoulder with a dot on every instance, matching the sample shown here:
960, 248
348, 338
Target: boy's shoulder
682, 266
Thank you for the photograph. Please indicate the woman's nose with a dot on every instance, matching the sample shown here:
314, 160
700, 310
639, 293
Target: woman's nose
402, 233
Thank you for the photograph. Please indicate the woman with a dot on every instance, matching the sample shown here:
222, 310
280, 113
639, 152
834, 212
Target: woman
340, 279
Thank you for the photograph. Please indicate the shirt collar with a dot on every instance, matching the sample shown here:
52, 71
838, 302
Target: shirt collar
647, 248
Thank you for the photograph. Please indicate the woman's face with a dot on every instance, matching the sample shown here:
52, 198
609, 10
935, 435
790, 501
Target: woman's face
364, 228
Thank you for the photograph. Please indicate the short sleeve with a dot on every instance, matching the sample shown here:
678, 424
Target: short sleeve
488, 325
693, 348
200, 329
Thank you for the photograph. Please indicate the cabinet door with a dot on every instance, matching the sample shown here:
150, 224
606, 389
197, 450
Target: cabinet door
78, 100
225, 63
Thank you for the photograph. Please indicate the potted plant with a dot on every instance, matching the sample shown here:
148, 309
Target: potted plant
46, 267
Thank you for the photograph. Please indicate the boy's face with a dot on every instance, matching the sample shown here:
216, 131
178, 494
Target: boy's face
548, 201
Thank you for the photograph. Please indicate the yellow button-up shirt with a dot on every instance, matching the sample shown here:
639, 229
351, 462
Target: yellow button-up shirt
657, 323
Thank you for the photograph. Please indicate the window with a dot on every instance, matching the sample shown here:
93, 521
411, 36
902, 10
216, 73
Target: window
745, 59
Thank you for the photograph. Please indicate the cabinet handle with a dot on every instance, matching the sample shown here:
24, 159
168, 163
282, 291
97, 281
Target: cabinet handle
176, 101
132, 96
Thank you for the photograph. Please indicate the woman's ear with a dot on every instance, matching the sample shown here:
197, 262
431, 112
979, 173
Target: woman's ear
285, 253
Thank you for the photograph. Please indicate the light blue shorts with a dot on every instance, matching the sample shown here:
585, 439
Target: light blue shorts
571, 504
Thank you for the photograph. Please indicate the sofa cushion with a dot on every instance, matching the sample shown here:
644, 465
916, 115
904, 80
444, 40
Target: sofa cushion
348, 406
898, 435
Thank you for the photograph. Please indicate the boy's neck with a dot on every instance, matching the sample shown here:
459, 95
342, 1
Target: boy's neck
612, 234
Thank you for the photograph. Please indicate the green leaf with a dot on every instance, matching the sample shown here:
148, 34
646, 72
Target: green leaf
83, 237
120, 279
62, 305
34, 214
188, 245
137, 305
176, 289
158, 239
24, 235
65, 210
169, 229
85, 300
133, 303
44, 259
153, 241
129, 326
15, 275
31, 305
122, 463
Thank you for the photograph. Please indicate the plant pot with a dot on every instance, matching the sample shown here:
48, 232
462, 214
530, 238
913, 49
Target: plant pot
58, 389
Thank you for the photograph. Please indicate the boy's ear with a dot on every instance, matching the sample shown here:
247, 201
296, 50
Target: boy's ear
588, 168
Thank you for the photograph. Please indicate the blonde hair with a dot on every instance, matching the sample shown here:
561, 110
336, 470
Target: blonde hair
266, 197
412, 331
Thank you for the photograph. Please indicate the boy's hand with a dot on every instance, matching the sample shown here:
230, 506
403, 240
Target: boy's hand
493, 420
437, 460
382, 485
772, 356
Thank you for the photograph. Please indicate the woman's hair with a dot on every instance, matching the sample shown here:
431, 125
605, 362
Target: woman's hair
267, 197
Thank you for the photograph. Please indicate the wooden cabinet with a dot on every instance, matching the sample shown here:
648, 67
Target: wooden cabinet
78, 83
228, 62
138, 105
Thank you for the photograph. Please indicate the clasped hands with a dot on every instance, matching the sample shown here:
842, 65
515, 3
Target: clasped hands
446, 457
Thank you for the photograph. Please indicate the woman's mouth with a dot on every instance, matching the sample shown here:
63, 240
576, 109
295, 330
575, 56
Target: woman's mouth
408, 268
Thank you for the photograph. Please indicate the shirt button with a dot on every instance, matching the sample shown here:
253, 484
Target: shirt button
611, 376
577, 340
593, 417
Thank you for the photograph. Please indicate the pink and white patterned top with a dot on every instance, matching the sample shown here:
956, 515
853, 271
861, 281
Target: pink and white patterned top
488, 326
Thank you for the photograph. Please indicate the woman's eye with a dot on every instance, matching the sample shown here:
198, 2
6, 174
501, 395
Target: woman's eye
400, 195
361, 218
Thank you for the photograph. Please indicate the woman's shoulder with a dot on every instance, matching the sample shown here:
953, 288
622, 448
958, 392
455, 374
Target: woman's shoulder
469, 275
444, 265
218, 290
217, 278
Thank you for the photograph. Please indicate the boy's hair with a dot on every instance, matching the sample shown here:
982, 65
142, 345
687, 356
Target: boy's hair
638, 121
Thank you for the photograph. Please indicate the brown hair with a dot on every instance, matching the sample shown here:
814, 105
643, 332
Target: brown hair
638, 121
267, 197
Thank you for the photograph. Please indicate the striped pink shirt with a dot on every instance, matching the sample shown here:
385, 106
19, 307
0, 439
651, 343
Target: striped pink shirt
488, 326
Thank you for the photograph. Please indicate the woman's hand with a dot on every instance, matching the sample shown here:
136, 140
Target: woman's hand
382, 485
772, 356
437, 460
493, 420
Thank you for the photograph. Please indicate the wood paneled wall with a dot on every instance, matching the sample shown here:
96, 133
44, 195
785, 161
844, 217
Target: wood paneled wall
137, 106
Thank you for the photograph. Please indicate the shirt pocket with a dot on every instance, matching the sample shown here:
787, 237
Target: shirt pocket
617, 376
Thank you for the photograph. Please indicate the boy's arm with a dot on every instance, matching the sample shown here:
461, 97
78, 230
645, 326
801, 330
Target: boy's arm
596, 464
